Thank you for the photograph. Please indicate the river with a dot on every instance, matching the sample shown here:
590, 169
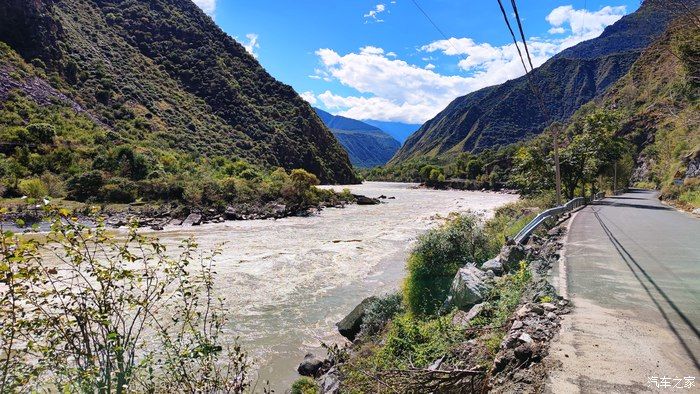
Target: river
288, 281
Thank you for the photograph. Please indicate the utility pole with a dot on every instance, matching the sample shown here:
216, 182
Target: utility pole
557, 170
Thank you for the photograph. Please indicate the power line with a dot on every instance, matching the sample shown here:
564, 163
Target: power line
515, 41
522, 34
415, 2
535, 90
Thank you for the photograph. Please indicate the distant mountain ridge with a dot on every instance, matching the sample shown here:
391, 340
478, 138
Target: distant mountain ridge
367, 146
161, 74
398, 130
507, 113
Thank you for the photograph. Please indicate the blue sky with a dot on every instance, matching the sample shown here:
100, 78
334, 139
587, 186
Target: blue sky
384, 60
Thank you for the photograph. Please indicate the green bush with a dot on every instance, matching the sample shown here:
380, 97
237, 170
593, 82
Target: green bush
119, 190
379, 312
55, 186
33, 188
437, 257
41, 133
85, 186
305, 385
414, 342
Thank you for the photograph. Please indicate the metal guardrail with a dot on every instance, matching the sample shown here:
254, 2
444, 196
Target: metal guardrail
525, 233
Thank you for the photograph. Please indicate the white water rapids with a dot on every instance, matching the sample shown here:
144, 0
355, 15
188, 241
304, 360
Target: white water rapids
288, 281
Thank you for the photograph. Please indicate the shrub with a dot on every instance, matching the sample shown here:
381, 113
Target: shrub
379, 312
54, 184
119, 190
84, 186
42, 133
300, 190
153, 326
437, 257
305, 385
167, 188
33, 188
411, 342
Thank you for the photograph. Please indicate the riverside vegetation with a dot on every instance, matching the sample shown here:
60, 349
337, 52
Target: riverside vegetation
410, 330
52, 151
81, 311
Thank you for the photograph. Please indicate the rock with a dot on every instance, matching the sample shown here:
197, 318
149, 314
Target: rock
549, 307
552, 316
175, 222
511, 256
538, 310
364, 200
392, 198
436, 364
194, 219
349, 327
696, 211
330, 382
310, 365
462, 318
516, 325
382, 197
232, 213
525, 337
523, 352
493, 265
468, 287
157, 227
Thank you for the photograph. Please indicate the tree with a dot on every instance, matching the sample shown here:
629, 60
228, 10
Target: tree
82, 312
591, 151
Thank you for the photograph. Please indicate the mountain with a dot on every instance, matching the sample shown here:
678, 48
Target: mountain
160, 74
368, 146
398, 130
658, 101
510, 112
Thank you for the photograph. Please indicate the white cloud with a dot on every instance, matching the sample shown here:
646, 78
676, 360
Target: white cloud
309, 97
391, 89
252, 44
208, 6
373, 15
494, 64
584, 22
556, 30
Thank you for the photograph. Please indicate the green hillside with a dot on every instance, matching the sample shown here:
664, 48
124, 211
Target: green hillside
162, 77
510, 112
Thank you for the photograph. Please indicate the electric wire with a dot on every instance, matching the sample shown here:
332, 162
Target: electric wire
522, 33
442, 33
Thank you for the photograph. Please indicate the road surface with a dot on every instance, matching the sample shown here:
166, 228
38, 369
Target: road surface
633, 268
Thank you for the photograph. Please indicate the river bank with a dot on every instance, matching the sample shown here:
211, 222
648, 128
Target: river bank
288, 281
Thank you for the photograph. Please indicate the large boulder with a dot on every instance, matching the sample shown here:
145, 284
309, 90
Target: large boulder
310, 366
194, 219
330, 382
349, 327
494, 265
364, 200
468, 287
511, 256
463, 319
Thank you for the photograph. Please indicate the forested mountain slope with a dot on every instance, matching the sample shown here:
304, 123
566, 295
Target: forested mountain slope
368, 146
161, 75
510, 112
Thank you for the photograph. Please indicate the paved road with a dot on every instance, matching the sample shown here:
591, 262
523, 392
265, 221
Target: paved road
633, 268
